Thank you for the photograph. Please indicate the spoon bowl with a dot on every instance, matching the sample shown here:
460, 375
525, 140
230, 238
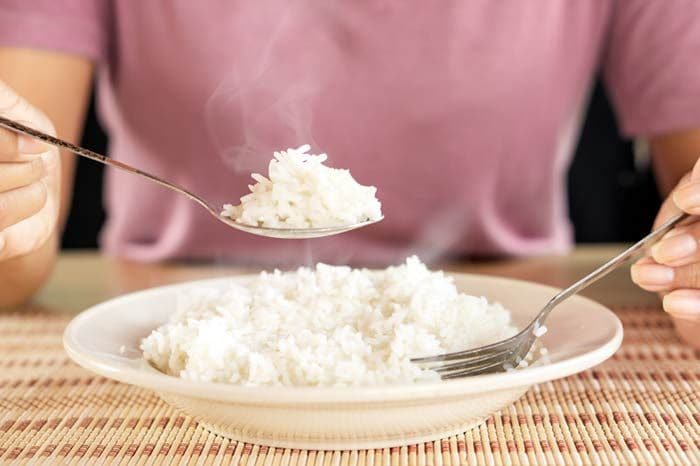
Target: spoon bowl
284, 233
295, 233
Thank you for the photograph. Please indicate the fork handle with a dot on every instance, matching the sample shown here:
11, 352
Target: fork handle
60, 143
611, 265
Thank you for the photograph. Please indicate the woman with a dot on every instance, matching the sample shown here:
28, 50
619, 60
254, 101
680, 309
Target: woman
463, 114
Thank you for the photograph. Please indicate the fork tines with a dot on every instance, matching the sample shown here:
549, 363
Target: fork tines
502, 356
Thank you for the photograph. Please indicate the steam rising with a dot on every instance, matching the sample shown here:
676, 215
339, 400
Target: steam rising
440, 235
264, 103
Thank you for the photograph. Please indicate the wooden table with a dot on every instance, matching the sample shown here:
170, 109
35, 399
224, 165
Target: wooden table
641, 407
85, 278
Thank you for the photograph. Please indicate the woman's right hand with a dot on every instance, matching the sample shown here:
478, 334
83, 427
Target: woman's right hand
30, 174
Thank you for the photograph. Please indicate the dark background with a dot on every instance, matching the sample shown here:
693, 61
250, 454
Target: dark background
610, 200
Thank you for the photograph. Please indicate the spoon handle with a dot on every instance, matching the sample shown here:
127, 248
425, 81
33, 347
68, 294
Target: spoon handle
613, 263
60, 143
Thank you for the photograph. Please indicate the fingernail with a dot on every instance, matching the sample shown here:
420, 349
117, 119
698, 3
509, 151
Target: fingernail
683, 305
674, 248
27, 145
652, 275
2, 242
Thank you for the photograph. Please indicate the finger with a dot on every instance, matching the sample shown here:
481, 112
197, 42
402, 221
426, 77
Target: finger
645, 260
679, 247
651, 276
668, 207
687, 197
13, 146
16, 108
683, 304
21, 203
18, 174
8, 145
686, 276
27, 145
695, 173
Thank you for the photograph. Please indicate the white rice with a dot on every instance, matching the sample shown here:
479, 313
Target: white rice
301, 192
328, 326
539, 331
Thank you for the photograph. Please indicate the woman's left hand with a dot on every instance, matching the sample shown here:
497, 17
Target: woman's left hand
672, 267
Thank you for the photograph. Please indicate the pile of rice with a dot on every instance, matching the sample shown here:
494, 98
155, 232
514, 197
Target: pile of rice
327, 326
301, 192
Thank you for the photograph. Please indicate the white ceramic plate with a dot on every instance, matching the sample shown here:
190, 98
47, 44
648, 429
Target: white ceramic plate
106, 338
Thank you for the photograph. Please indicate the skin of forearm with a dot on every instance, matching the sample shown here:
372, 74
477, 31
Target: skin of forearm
58, 85
21, 277
673, 156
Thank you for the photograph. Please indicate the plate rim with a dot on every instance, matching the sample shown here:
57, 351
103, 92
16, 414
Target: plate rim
320, 396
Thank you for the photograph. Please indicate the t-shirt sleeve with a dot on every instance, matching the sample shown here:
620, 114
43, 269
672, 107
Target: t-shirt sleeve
70, 26
652, 65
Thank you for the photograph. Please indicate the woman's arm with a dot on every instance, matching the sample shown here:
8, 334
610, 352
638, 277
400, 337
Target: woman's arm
674, 155
57, 85
673, 268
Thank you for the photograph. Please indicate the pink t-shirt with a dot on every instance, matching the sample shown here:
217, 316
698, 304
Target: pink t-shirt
463, 113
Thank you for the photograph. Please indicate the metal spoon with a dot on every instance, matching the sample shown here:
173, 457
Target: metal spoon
286, 233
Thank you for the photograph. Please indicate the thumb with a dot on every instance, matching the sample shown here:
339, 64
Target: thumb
669, 208
16, 108
695, 174
686, 189
686, 196
15, 146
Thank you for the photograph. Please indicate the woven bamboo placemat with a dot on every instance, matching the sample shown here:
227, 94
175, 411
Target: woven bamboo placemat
641, 407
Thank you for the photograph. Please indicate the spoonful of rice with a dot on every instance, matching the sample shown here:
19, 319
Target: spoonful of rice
300, 198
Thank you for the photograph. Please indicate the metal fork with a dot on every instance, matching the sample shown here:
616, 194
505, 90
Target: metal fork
510, 353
